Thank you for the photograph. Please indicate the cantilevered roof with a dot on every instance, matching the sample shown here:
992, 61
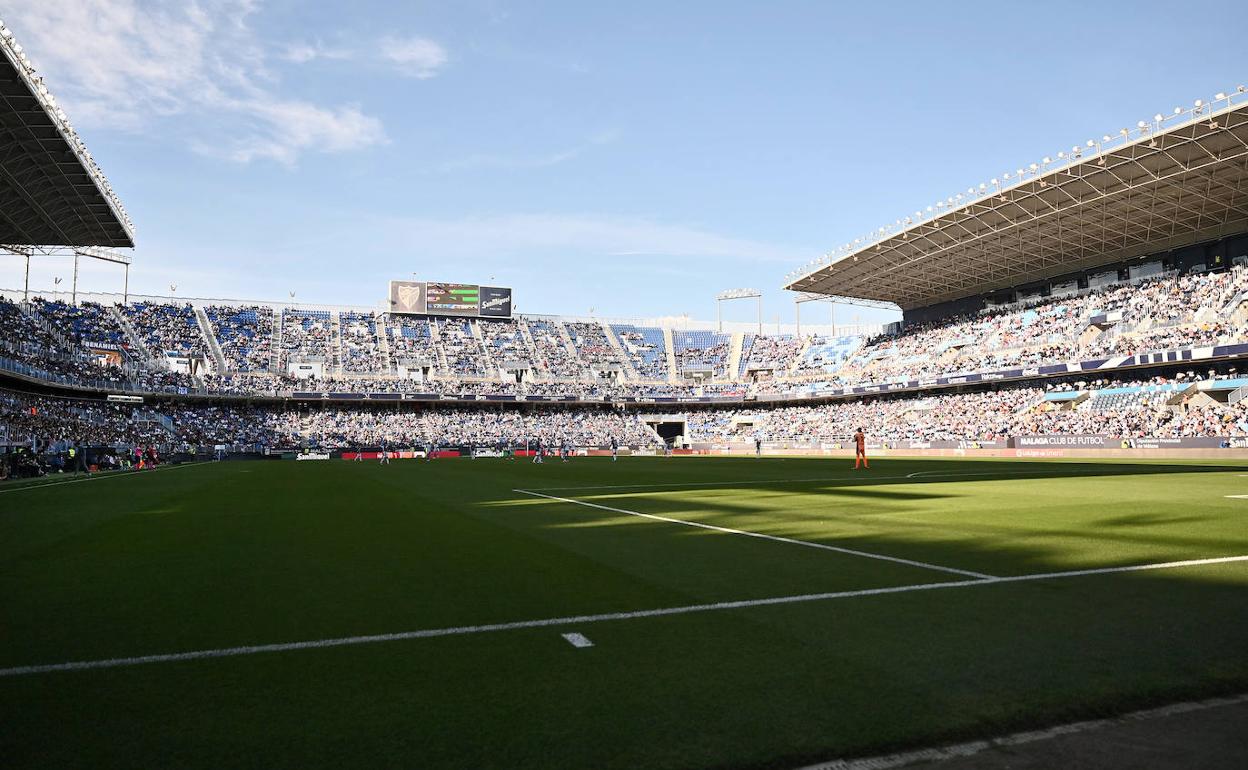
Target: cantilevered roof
1172, 182
52, 193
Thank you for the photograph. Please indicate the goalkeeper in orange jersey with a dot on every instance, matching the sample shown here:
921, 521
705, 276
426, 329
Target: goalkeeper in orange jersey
860, 450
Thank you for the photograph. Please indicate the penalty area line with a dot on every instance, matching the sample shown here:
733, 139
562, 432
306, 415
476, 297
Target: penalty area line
227, 652
761, 536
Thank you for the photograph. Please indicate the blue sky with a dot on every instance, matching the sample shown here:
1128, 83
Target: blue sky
631, 158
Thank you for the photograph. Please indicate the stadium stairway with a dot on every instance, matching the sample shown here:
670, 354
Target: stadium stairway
383, 342
626, 363
669, 342
801, 356
435, 334
214, 348
567, 340
486, 353
539, 368
46, 324
132, 336
275, 359
735, 344
335, 343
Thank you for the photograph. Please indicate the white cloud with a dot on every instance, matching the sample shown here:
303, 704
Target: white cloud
416, 57
126, 64
567, 236
302, 53
524, 162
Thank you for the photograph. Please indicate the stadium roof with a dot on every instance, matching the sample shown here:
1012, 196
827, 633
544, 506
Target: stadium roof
1167, 183
52, 193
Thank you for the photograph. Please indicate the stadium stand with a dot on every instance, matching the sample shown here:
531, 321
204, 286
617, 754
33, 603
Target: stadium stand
305, 336
555, 350
507, 344
245, 335
702, 353
646, 350
593, 347
464, 354
85, 324
167, 328
411, 342
361, 351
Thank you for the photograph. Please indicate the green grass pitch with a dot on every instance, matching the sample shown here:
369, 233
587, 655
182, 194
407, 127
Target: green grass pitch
767, 653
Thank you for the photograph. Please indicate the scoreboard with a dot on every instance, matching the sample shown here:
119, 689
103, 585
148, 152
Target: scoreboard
453, 298
440, 298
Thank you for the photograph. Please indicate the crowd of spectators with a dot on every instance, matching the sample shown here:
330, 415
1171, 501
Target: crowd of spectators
646, 350
361, 352
506, 342
84, 324
411, 341
167, 328
464, 354
702, 351
1162, 312
245, 336
773, 354
1159, 313
592, 345
556, 358
305, 336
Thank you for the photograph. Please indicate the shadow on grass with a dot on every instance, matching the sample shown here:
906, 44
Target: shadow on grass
897, 511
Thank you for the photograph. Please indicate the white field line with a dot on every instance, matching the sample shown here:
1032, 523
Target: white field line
578, 640
102, 476
228, 652
761, 536
971, 748
866, 477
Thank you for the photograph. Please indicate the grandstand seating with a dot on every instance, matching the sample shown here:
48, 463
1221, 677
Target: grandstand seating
361, 352
87, 323
557, 360
506, 343
167, 328
465, 356
305, 336
646, 350
592, 345
702, 351
245, 336
1161, 313
411, 341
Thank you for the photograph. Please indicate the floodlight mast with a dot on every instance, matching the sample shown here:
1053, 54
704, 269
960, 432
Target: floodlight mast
731, 294
90, 252
807, 296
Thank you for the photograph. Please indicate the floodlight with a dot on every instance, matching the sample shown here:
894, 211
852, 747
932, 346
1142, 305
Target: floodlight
1198, 103
1219, 95
1159, 117
1103, 138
